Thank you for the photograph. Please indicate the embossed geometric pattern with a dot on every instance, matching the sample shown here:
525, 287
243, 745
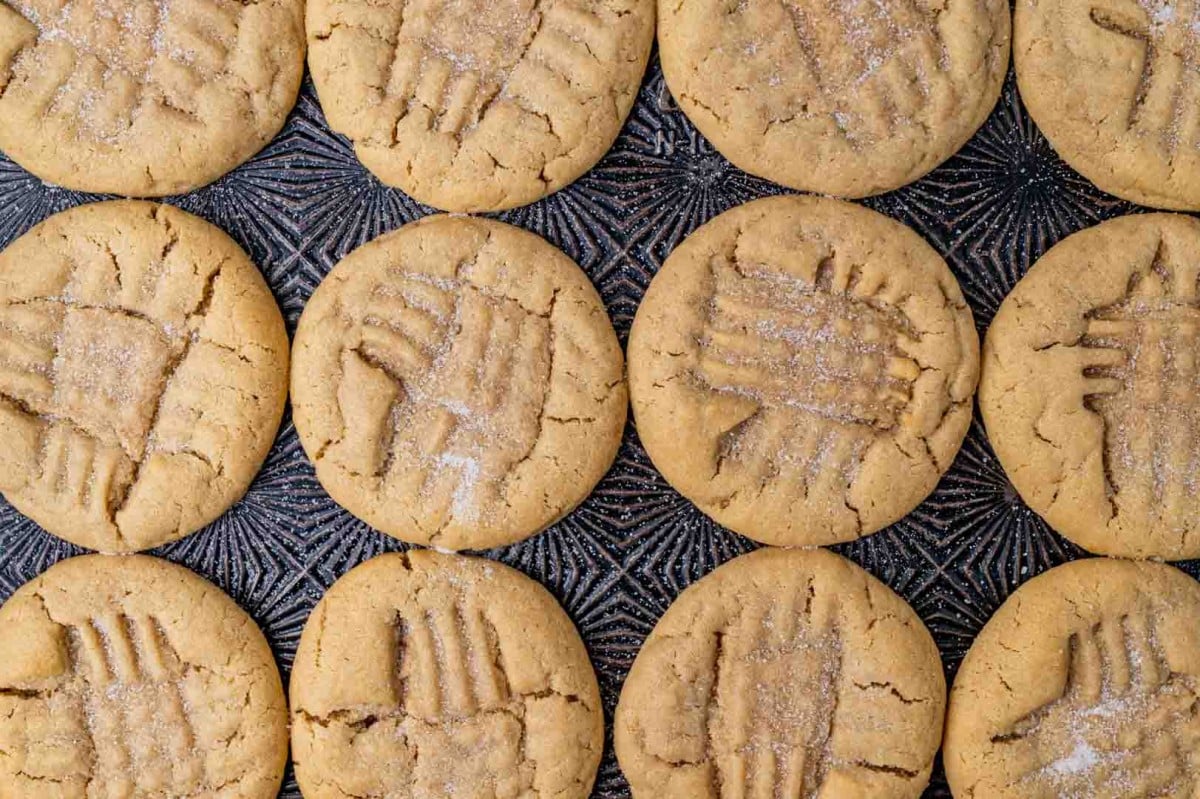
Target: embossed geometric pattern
617, 562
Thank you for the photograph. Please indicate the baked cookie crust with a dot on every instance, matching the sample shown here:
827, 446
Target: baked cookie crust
458, 383
783, 673
848, 98
145, 99
802, 369
479, 105
143, 373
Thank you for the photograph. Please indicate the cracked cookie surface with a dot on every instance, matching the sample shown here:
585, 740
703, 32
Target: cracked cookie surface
130, 676
145, 99
802, 370
458, 383
1115, 86
143, 372
422, 674
479, 105
1089, 387
1085, 683
783, 673
850, 97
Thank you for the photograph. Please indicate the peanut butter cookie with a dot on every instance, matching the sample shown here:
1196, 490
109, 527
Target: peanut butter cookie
130, 676
1086, 683
145, 98
423, 675
802, 369
1115, 86
143, 372
783, 673
1089, 387
458, 383
479, 105
851, 98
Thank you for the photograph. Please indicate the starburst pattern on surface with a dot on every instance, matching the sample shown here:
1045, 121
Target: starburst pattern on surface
26, 200
671, 180
999, 203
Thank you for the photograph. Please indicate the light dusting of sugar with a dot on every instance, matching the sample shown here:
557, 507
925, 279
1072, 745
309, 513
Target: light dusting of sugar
143, 38
469, 418
847, 44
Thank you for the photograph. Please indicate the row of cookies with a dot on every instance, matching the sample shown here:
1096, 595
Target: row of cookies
471, 106
862, 97
802, 369
783, 672
466, 105
417, 675
456, 383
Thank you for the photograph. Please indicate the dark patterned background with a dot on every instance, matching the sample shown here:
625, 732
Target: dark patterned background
618, 561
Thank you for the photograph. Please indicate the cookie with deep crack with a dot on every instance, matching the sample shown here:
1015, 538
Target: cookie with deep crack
130, 676
1089, 387
850, 98
423, 674
783, 673
458, 383
145, 99
1115, 86
1086, 682
802, 370
143, 372
479, 105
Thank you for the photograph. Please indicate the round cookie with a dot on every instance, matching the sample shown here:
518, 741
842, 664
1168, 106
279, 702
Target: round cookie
1089, 387
145, 99
848, 98
1085, 683
422, 674
458, 383
1114, 86
479, 105
130, 676
802, 370
783, 673
143, 373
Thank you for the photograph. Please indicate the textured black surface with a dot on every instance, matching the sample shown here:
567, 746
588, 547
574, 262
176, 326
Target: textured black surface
618, 561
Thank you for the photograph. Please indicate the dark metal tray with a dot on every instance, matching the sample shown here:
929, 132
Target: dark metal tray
618, 561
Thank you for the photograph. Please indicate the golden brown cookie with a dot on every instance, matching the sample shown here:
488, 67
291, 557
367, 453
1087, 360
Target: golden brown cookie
802, 369
130, 676
1086, 683
783, 673
423, 675
479, 105
1115, 86
143, 372
458, 383
850, 98
145, 98
1089, 387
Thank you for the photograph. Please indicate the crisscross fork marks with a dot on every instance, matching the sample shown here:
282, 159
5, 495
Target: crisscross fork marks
467, 373
824, 361
776, 674
1141, 378
96, 377
1126, 725
451, 692
138, 721
453, 62
1164, 104
870, 88
165, 52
